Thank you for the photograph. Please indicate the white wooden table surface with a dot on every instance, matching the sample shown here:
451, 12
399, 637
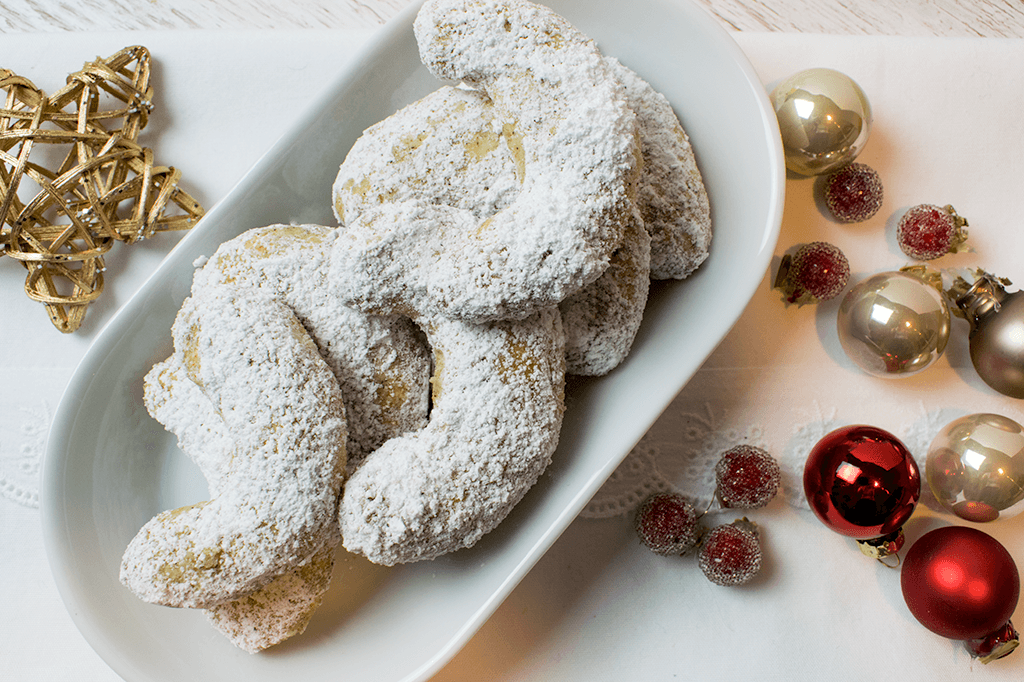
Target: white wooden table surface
988, 18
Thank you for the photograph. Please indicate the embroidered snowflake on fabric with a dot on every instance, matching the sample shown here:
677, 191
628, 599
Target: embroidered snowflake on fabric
686, 466
20, 462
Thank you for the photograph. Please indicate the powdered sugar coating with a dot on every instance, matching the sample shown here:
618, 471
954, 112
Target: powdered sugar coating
462, 158
283, 408
180, 405
671, 194
381, 363
575, 141
283, 607
447, 148
498, 404
450, 149
279, 610
602, 320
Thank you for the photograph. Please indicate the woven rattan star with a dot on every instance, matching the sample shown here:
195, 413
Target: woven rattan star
74, 180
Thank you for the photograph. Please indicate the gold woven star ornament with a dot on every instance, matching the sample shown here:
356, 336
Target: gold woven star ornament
73, 179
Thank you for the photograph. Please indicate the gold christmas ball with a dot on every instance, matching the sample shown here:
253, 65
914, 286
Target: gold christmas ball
824, 118
893, 324
975, 467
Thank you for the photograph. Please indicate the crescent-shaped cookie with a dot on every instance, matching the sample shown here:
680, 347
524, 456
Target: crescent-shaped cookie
381, 362
498, 399
282, 608
464, 159
671, 195
576, 154
279, 492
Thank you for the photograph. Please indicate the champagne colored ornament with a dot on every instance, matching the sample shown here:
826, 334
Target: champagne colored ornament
893, 324
862, 482
962, 584
824, 118
996, 338
975, 467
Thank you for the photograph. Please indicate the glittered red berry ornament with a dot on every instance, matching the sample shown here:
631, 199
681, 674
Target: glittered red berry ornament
862, 482
926, 232
731, 554
853, 193
816, 272
667, 524
962, 584
746, 477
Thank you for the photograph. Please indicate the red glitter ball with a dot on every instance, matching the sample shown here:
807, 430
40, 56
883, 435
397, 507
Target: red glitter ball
667, 523
731, 555
926, 232
747, 477
854, 193
818, 271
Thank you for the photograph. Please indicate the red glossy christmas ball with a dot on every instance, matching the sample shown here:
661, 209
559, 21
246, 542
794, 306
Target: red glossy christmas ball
862, 482
960, 582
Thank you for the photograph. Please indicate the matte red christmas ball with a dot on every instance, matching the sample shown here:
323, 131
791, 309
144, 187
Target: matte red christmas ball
862, 482
962, 584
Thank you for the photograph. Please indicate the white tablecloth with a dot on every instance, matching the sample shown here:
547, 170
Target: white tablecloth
947, 129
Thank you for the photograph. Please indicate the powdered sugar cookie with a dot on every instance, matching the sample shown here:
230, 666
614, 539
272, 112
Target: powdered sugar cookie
277, 496
497, 410
282, 608
576, 150
278, 610
381, 362
671, 194
180, 405
456, 153
464, 159
602, 320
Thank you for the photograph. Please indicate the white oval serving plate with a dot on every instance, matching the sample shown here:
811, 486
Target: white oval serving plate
109, 467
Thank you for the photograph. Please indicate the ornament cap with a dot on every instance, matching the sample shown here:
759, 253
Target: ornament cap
999, 644
883, 547
747, 525
979, 299
926, 274
960, 226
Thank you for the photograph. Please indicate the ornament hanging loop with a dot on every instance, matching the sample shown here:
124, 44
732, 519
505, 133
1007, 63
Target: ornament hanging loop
884, 548
892, 561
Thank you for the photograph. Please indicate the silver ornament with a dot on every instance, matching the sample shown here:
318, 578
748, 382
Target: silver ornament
893, 324
824, 118
975, 467
997, 331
